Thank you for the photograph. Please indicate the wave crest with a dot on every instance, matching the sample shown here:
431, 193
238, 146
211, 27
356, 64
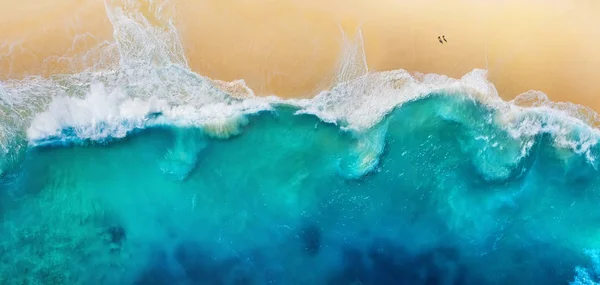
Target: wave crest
152, 85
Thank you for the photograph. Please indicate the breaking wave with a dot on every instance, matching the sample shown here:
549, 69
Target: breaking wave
474, 164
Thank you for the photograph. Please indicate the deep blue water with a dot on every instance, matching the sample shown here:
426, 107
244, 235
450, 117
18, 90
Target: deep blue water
436, 193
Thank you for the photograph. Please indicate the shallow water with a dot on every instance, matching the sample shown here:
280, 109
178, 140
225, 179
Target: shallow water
141, 171
448, 200
289, 47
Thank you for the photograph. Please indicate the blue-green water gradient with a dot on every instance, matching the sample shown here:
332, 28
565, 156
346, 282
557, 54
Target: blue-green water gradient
437, 193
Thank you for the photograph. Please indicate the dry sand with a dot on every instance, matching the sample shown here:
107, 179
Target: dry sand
290, 47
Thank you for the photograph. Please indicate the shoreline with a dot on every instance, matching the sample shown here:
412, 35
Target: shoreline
290, 48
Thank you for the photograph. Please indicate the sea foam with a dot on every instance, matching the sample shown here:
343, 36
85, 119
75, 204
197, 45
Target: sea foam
153, 85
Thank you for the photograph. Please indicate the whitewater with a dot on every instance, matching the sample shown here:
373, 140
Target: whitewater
137, 170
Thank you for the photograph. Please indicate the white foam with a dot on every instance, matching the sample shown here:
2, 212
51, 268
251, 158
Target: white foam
97, 116
101, 115
568, 131
153, 78
588, 275
80, 104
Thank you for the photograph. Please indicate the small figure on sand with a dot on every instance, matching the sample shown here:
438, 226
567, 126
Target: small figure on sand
442, 37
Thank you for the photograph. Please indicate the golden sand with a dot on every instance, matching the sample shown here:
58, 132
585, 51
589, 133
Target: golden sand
290, 47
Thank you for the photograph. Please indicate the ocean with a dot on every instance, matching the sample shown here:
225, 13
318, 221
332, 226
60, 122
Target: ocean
139, 171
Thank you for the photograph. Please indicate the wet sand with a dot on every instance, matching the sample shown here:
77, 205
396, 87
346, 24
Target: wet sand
290, 47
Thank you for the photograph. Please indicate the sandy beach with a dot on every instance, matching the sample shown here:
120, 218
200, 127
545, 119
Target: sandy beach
290, 47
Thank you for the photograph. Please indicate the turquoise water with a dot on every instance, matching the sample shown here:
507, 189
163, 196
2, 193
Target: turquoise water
136, 170
438, 192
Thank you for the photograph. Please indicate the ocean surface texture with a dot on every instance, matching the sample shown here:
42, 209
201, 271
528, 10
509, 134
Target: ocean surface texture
139, 171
